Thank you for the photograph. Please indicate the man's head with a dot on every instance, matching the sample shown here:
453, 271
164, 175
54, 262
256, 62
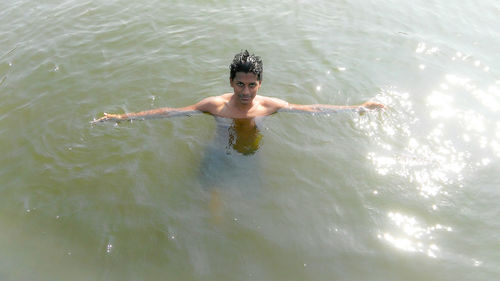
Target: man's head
244, 62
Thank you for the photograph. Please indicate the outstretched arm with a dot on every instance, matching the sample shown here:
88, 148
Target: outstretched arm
206, 105
283, 106
148, 114
332, 108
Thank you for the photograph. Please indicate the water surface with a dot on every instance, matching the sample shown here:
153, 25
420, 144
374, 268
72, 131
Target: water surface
410, 193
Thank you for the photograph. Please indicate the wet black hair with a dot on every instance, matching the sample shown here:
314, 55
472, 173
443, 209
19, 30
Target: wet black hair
244, 62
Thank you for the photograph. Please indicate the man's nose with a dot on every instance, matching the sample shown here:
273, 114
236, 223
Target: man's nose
246, 90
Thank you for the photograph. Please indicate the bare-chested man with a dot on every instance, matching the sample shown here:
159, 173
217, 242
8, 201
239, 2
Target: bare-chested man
236, 114
244, 102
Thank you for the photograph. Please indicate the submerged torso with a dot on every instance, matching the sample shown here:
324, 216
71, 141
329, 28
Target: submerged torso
240, 136
231, 160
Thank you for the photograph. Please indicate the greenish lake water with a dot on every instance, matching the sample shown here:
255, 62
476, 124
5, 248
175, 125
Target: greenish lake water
409, 193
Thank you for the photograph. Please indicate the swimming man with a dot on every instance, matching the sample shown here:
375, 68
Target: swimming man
242, 107
244, 102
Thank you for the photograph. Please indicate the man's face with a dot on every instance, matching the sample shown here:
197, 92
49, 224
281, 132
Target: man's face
246, 86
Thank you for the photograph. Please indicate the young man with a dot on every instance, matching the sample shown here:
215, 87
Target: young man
242, 135
245, 79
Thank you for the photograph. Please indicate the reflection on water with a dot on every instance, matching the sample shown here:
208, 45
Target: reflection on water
435, 157
434, 148
411, 235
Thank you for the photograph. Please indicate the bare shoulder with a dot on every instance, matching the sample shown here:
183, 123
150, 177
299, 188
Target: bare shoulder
209, 104
272, 102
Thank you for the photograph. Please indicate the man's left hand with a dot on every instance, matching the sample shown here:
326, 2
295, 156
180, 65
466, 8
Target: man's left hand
372, 105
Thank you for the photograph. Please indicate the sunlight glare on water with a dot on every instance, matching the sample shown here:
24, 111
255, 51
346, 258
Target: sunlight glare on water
412, 236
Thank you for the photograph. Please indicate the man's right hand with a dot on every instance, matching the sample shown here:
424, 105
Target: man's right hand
109, 117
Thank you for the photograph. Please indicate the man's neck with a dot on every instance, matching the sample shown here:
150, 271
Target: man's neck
239, 107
